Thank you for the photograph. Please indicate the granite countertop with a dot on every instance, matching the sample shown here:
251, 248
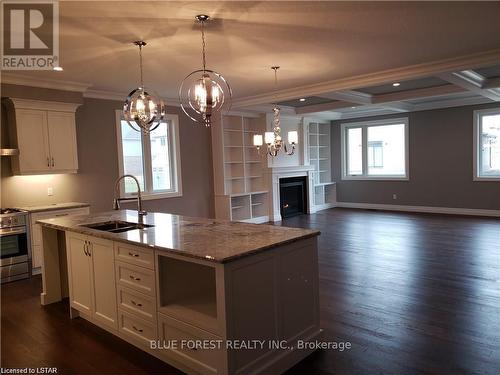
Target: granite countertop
54, 206
215, 240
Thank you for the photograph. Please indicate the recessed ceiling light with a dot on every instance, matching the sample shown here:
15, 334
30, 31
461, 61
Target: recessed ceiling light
396, 84
302, 99
353, 107
58, 68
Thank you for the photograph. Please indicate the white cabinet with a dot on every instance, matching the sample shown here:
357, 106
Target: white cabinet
36, 231
62, 141
45, 134
91, 273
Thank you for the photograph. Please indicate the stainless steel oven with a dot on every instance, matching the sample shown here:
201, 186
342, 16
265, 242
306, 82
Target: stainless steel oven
15, 256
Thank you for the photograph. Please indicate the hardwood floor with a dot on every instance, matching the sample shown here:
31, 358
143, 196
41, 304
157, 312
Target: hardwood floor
412, 293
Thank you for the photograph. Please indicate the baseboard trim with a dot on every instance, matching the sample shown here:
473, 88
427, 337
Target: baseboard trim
425, 209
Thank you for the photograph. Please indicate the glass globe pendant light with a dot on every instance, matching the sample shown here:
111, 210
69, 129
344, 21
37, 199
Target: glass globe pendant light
204, 92
273, 139
143, 109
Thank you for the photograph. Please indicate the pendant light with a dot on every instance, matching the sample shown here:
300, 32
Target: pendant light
273, 139
204, 92
143, 109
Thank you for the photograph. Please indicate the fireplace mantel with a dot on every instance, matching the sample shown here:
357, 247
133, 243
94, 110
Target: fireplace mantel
274, 175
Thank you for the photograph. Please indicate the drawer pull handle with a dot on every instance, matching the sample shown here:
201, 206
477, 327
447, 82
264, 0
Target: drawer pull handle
133, 255
137, 329
135, 278
136, 304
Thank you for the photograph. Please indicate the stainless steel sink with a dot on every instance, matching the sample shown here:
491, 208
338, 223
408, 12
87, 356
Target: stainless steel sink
116, 226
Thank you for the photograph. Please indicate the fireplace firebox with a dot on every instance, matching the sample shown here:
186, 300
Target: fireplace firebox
293, 196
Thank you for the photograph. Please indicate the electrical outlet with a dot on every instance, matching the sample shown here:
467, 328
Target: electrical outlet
50, 191
394, 196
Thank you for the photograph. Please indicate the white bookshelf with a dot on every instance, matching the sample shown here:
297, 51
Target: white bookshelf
240, 187
319, 154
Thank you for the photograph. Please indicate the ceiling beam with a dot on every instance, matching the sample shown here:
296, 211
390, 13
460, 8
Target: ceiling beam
471, 81
417, 93
314, 108
382, 77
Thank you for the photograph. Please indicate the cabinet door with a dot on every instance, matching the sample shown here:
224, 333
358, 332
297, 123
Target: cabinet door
80, 273
62, 141
32, 135
104, 282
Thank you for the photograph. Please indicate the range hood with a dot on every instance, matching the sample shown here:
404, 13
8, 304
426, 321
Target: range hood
9, 151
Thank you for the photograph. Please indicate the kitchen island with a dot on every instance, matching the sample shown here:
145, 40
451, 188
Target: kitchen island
206, 296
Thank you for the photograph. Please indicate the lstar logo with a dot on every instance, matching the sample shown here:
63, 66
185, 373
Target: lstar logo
30, 34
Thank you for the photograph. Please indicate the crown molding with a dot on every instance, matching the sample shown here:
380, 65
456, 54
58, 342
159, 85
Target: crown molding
46, 83
43, 105
377, 78
120, 96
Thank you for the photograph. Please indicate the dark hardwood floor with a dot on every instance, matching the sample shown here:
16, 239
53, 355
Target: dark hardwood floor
412, 293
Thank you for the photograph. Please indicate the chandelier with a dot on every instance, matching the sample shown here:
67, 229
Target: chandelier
143, 109
204, 92
273, 139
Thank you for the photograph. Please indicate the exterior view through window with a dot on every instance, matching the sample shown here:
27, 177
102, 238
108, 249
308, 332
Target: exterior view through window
487, 132
153, 159
375, 149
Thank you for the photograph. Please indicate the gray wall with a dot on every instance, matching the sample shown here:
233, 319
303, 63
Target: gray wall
98, 163
441, 161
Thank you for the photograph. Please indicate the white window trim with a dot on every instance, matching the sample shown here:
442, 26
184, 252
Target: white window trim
364, 125
176, 160
477, 159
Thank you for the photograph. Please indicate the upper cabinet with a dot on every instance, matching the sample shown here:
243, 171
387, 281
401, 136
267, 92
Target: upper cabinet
45, 134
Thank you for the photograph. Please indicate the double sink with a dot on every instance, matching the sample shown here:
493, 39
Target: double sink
116, 226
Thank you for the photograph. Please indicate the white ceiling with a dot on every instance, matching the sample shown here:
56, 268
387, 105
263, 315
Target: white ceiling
312, 41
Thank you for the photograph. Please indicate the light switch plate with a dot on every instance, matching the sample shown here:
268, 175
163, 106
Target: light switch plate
50, 191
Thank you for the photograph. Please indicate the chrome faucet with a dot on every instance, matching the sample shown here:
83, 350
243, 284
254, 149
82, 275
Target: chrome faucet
117, 199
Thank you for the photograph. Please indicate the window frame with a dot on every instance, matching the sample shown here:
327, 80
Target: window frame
172, 122
477, 155
364, 125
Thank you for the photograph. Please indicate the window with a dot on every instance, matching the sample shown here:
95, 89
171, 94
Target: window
376, 150
153, 159
487, 144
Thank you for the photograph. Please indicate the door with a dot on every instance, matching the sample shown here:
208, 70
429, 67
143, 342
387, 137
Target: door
33, 141
104, 281
62, 141
80, 273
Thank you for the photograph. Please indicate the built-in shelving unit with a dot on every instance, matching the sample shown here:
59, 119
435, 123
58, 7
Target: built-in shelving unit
319, 153
241, 188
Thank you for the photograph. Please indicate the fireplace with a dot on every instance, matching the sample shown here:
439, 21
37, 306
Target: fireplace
293, 196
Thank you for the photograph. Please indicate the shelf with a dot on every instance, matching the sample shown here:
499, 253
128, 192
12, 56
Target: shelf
253, 161
257, 204
233, 146
254, 176
320, 134
233, 162
187, 291
232, 130
234, 178
325, 183
237, 207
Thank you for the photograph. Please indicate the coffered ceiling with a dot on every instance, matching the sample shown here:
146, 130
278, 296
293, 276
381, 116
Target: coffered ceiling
346, 54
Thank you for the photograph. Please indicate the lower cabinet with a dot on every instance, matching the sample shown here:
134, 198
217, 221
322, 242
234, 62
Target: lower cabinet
91, 273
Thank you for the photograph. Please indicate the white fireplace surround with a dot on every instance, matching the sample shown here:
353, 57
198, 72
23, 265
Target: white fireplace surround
276, 173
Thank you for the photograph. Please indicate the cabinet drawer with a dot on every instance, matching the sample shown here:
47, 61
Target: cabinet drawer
136, 278
134, 255
136, 328
137, 303
203, 360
